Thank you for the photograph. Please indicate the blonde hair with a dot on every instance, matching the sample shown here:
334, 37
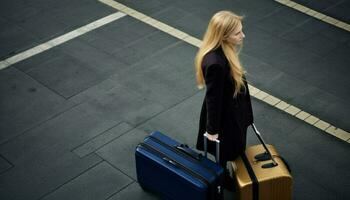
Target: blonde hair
221, 25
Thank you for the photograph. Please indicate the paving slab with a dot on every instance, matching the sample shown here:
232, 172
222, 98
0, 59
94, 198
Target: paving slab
34, 61
316, 28
14, 39
336, 9
340, 11
26, 20
155, 42
297, 34
94, 92
17, 10
145, 47
102, 139
83, 13
283, 55
121, 153
325, 73
306, 189
186, 24
134, 192
151, 81
4, 165
130, 105
126, 103
193, 6
274, 125
322, 154
61, 134
321, 5
282, 20
180, 121
300, 67
170, 14
65, 75
99, 182
45, 152
181, 57
329, 107
253, 10
319, 45
117, 35
103, 63
154, 78
80, 54
22, 106
34, 179
199, 13
336, 35
49, 4
34, 23
259, 72
149, 7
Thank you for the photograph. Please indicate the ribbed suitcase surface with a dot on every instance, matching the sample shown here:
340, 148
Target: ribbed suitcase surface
175, 171
273, 183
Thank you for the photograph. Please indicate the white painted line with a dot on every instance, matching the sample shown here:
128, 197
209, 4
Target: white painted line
341, 134
255, 92
261, 95
59, 40
311, 119
302, 115
322, 125
282, 105
4, 64
292, 110
315, 14
271, 100
84, 29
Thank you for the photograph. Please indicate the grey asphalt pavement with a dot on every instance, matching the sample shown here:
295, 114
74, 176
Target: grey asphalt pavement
71, 116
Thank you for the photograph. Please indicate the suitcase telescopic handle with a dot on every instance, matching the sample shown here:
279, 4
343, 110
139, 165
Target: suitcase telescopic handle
266, 155
217, 142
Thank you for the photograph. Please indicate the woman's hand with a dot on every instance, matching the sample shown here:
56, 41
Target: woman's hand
212, 137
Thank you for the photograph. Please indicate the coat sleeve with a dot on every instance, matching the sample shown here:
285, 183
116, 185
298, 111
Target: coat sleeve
214, 80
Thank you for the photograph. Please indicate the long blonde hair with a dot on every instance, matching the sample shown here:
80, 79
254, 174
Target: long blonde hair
221, 25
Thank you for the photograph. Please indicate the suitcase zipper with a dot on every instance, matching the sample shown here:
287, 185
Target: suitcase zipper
182, 153
175, 163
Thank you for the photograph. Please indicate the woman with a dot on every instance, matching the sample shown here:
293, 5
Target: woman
226, 111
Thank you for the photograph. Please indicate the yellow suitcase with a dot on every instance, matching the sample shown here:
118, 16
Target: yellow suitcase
260, 176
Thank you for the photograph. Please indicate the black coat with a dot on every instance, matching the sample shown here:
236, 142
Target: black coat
222, 113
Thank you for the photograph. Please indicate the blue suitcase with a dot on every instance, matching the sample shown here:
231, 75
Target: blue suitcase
175, 171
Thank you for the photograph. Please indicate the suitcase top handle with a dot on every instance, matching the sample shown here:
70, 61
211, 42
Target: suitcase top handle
187, 150
267, 154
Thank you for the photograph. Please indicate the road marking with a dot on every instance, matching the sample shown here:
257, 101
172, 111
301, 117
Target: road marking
59, 40
255, 92
315, 14
302, 115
